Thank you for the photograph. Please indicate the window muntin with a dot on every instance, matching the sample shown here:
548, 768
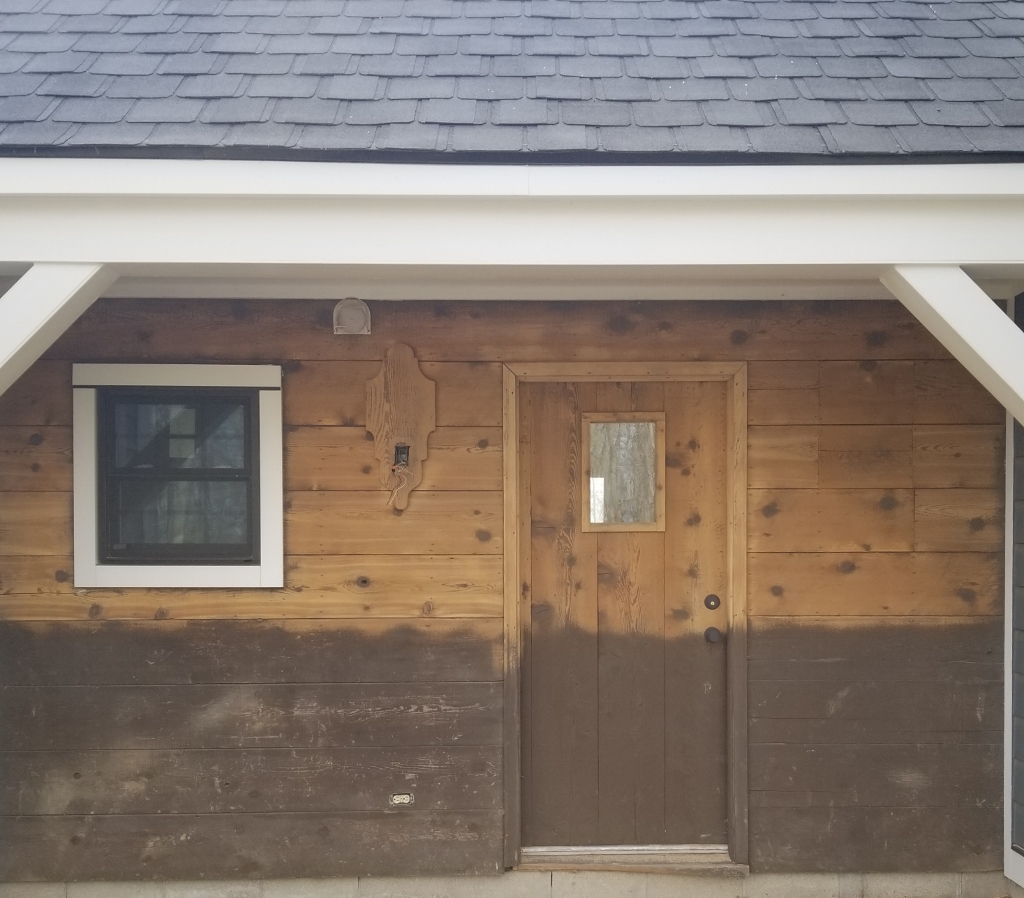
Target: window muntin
177, 482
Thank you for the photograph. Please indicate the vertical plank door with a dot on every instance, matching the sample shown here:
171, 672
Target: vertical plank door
623, 715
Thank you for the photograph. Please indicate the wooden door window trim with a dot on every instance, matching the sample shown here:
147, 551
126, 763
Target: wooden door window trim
734, 374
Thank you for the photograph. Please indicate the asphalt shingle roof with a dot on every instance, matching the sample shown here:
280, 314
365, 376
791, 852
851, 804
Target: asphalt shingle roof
801, 77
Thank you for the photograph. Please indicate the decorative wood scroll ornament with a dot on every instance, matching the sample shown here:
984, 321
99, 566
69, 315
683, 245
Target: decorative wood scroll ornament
400, 404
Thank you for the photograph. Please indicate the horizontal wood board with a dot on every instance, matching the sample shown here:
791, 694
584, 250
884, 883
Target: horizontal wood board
878, 457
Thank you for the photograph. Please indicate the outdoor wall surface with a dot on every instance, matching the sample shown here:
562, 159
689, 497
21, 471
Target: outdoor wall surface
258, 733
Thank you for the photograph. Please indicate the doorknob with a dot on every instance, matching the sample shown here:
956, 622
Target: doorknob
713, 634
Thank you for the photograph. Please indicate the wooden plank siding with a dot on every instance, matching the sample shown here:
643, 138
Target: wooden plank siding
270, 727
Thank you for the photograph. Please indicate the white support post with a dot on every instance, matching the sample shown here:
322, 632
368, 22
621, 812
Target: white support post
41, 305
968, 323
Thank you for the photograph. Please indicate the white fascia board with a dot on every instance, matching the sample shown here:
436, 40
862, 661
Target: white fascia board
39, 307
966, 321
180, 215
135, 177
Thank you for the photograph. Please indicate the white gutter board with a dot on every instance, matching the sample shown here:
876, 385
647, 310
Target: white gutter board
39, 307
966, 321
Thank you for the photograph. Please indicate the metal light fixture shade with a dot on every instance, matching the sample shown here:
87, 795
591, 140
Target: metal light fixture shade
351, 316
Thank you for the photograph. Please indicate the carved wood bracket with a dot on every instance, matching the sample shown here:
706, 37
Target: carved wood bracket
400, 407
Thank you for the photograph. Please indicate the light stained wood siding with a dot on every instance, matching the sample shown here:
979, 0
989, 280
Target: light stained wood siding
874, 590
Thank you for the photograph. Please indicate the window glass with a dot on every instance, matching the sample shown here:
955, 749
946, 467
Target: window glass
177, 469
623, 472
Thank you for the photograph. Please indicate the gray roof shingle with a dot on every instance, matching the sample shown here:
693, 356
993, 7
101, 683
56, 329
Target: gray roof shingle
514, 77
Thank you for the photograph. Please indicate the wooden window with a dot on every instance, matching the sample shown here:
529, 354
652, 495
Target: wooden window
624, 482
178, 476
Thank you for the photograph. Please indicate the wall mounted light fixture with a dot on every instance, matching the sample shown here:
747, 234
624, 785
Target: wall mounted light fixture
351, 316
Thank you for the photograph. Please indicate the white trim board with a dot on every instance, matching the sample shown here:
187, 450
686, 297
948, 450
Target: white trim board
139, 375
39, 307
1013, 863
89, 573
177, 215
234, 178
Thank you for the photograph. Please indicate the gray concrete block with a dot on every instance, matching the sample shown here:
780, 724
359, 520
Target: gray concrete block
511, 885
911, 885
792, 885
984, 885
115, 890
32, 890
598, 885
684, 886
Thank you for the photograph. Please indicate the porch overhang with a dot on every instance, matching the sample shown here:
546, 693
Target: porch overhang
172, 228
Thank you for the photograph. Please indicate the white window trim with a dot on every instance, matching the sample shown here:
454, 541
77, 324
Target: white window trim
89, 573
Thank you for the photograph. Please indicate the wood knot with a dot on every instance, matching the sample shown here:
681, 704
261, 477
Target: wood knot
876, 338
35, 439
621, 324
95, 611
977, 524
846, 567
777, 590
738, 337
482, 444
161, 614
483, 535
868, 365
363, 582
770, 510
60, 576
693, 520
968, 596
887, 503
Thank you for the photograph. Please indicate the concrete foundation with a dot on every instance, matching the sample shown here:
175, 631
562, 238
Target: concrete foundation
556, 885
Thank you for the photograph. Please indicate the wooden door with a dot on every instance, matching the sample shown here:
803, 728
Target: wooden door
624, 700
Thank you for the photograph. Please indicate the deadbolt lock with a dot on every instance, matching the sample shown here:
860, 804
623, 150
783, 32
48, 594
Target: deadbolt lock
712, 601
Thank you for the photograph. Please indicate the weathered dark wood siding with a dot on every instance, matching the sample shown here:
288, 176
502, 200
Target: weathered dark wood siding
223, 733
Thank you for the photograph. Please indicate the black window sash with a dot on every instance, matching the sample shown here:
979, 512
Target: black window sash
111, 477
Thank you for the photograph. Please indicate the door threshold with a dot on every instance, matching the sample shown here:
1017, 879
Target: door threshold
705, 860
